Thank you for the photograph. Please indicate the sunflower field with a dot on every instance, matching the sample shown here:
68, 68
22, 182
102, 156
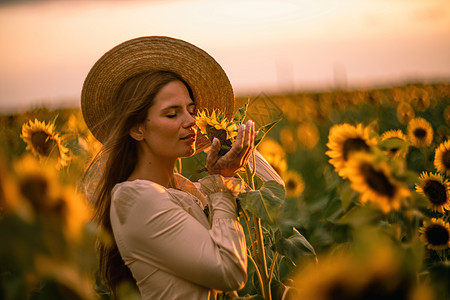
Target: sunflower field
363, 214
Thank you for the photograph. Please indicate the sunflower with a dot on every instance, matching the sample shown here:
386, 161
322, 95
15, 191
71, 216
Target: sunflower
398, 95
274, 154
446, 115
290, 110
393, 134
435, 234
42, 140
345, 140
420, 132
395, 143
436, 190
294, 184
36, 184
376, 275
373, 180
308, 135
375, 97
420, 98
78, 212
442, 134
216, 125
269, 147
287, 139
442, 158
11, 201
405, 112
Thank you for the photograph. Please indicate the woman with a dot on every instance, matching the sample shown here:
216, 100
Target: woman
139, 100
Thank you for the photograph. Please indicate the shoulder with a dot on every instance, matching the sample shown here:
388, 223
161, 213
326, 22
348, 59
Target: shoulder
137, 195
137, 189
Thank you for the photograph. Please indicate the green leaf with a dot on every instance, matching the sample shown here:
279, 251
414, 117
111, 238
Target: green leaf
240, 114
347, 195
194, 166
333, 210
394, 145
265, 203
360, 215
220, 117
264, 130
294, 246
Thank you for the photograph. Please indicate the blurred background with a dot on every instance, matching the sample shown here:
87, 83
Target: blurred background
48, 47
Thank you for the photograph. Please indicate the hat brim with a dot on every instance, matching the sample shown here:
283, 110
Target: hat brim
209, 83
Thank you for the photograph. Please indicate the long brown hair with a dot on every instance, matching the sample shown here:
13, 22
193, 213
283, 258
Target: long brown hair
116, 161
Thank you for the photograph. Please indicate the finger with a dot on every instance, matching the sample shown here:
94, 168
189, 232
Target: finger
250, 141
239, 143
213, 154
247, 138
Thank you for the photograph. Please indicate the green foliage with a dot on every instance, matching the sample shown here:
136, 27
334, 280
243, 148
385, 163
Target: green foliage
265, 202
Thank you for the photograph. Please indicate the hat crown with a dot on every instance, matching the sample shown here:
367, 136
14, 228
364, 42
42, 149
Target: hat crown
206, 78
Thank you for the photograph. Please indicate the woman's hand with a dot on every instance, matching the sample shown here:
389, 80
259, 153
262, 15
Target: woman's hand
238, 155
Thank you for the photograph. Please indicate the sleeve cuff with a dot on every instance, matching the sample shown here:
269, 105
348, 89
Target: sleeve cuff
217, 183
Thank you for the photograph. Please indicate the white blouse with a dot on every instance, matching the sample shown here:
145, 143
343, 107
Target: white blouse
170, 246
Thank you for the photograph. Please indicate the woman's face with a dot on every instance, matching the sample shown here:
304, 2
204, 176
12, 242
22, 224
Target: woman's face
170, 130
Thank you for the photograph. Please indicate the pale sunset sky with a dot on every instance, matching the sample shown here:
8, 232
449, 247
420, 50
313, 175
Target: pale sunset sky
48, 47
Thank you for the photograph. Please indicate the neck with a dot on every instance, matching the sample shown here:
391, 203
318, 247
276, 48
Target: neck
156, 169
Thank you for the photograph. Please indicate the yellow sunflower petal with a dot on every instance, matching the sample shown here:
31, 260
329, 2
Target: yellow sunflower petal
405, 112
436, 190
420, 132
442, 158
345, 140
435, 234
44, 142
374, 181
394, 143
294, 184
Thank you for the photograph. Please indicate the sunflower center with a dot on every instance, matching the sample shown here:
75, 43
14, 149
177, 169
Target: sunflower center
446, 159
437, 235
435, 192
394, 150
221, 134
42, 143
420, 133
35, 189
352, 145
375, 288
377, 181
291, 185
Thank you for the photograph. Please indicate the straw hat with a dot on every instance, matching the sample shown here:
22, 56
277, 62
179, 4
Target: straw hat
209, 83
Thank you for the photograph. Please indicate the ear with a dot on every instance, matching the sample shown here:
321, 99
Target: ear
137, 132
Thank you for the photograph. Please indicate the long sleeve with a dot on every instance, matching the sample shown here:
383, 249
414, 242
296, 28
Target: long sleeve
150, 227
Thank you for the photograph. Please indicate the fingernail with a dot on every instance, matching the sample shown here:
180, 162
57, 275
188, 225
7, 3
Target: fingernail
243, 126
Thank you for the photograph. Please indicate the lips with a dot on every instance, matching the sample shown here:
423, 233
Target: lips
189, 136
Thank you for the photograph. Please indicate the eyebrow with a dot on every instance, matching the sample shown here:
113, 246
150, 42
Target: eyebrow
178, 106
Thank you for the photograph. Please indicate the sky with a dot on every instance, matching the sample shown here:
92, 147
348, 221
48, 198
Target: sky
272, 46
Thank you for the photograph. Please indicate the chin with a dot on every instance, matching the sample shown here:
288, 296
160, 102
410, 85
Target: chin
189, 153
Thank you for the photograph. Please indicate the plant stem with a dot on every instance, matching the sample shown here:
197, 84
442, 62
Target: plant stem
250, 235
260, 254
261, 259
258, 273
272, 266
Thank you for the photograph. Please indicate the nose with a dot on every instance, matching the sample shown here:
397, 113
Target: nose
189, 120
